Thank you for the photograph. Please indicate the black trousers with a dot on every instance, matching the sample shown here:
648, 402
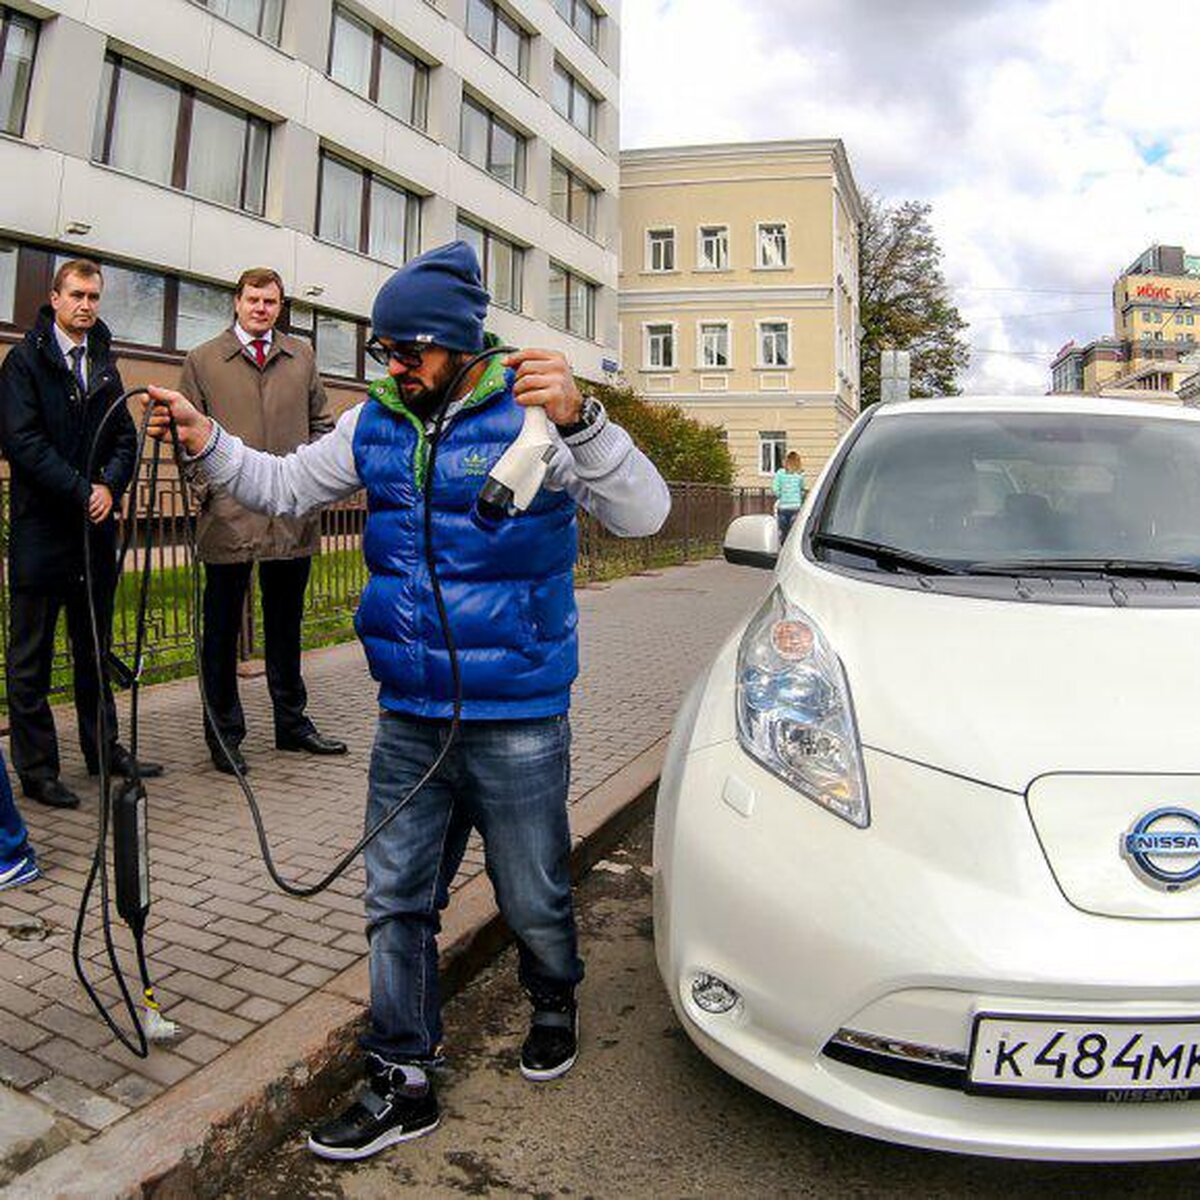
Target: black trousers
282, 582
33, 616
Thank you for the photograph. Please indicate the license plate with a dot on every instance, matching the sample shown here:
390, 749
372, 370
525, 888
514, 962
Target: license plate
1107, 1060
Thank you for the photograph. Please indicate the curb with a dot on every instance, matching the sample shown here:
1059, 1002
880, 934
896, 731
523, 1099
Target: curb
198, 1138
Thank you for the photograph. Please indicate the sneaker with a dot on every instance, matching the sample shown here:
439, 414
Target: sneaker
552, 1046
383, 1115
23, 870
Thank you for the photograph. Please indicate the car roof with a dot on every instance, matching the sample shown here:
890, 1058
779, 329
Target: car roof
1063, 404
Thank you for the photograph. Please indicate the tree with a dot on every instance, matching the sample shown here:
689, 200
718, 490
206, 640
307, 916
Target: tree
904, 303
681, 447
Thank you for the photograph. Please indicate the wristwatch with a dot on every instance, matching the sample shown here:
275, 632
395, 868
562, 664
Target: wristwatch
591, 412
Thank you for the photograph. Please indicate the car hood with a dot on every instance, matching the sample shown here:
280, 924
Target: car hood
1004, 691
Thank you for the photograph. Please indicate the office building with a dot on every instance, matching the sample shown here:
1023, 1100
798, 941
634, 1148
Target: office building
180, 141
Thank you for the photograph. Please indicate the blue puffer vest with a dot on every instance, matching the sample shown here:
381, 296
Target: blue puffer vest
509, 594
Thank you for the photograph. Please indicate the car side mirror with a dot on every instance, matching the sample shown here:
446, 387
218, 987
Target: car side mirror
753, 542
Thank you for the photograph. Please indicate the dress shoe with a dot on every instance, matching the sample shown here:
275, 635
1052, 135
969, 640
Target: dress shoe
51, 792
312, 742
122, 763
226, 763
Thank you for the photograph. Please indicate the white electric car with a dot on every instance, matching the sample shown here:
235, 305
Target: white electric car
928, 835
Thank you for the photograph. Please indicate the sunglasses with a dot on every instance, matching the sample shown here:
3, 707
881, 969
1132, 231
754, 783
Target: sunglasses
408, 354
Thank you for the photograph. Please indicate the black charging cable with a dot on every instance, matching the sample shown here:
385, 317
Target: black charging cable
130, 806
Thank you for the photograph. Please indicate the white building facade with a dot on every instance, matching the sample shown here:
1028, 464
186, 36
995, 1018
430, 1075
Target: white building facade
180, 141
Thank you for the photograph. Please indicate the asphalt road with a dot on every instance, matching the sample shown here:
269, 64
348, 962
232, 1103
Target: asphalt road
644, 1113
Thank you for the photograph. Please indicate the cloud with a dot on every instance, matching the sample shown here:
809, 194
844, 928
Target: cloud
1055, 138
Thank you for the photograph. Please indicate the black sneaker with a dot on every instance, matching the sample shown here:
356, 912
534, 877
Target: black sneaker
552, 1046
382, 1115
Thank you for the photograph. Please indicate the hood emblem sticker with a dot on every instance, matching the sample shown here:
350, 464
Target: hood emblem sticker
1163, 848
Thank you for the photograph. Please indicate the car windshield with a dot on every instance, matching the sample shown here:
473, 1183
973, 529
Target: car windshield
995, 491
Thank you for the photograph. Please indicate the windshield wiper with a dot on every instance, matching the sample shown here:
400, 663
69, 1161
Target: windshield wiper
885, 556
1134, 568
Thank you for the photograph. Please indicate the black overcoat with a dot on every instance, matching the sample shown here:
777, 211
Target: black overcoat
46, 431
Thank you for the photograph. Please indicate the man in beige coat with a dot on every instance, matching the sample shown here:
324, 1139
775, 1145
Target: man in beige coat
262, 385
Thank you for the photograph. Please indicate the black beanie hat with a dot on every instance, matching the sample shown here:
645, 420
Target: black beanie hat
437, 298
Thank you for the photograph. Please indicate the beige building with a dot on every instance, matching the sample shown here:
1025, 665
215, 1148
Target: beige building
1156, 321
179, 141
738, 293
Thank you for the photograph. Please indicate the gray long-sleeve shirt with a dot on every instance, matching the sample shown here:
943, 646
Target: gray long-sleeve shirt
600, 468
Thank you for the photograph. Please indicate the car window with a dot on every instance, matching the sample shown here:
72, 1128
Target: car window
973, 488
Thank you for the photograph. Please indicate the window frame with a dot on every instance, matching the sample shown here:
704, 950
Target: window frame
761, 362
188, 96
702, 235
588, 228
369, 178
517, 283
664, 335
572, 7
421, 69
502, 16
577, 88
760, 262
570, 277
702, 327
493, 119
7, 17
262, 12
774, 440
652, 244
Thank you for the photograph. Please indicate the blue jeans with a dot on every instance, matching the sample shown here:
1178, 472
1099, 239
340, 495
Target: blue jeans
14, 841
508, 779
784, 518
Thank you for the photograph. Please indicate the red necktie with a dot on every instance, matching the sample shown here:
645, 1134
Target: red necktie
259, 346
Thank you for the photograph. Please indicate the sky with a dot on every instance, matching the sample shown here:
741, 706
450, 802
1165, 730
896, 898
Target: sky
1055, 139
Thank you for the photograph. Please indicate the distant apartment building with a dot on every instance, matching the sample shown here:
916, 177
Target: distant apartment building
1156, 319
181, 141
739, 293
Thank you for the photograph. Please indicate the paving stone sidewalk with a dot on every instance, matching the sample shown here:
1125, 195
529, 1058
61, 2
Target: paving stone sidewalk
227, 951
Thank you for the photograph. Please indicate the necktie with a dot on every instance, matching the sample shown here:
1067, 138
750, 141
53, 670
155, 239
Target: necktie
259, 346
77, 353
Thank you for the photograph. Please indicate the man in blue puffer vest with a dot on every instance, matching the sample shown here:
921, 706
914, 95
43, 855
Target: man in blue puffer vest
509, 596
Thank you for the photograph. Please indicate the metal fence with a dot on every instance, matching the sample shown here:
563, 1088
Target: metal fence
693, 531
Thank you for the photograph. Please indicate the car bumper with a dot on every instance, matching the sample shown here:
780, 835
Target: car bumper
943, 908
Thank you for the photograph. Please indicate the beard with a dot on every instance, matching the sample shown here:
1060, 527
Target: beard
423, 401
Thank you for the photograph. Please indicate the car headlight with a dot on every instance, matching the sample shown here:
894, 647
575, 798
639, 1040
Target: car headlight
794, 712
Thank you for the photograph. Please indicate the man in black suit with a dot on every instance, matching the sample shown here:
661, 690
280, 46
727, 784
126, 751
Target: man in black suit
55, 387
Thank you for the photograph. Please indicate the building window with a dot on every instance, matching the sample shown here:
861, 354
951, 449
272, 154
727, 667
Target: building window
772, 450
660, 347
582, 18
502, 262
714, 344
774, 349
572, 100
203, 311
571, 199
772, 245
493, 144
362, 212
169, 133
572, 302
337, 346
8, 283
133, 304
263, 18
489, 26
18, 38
660, 249
714, 248
375, 67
